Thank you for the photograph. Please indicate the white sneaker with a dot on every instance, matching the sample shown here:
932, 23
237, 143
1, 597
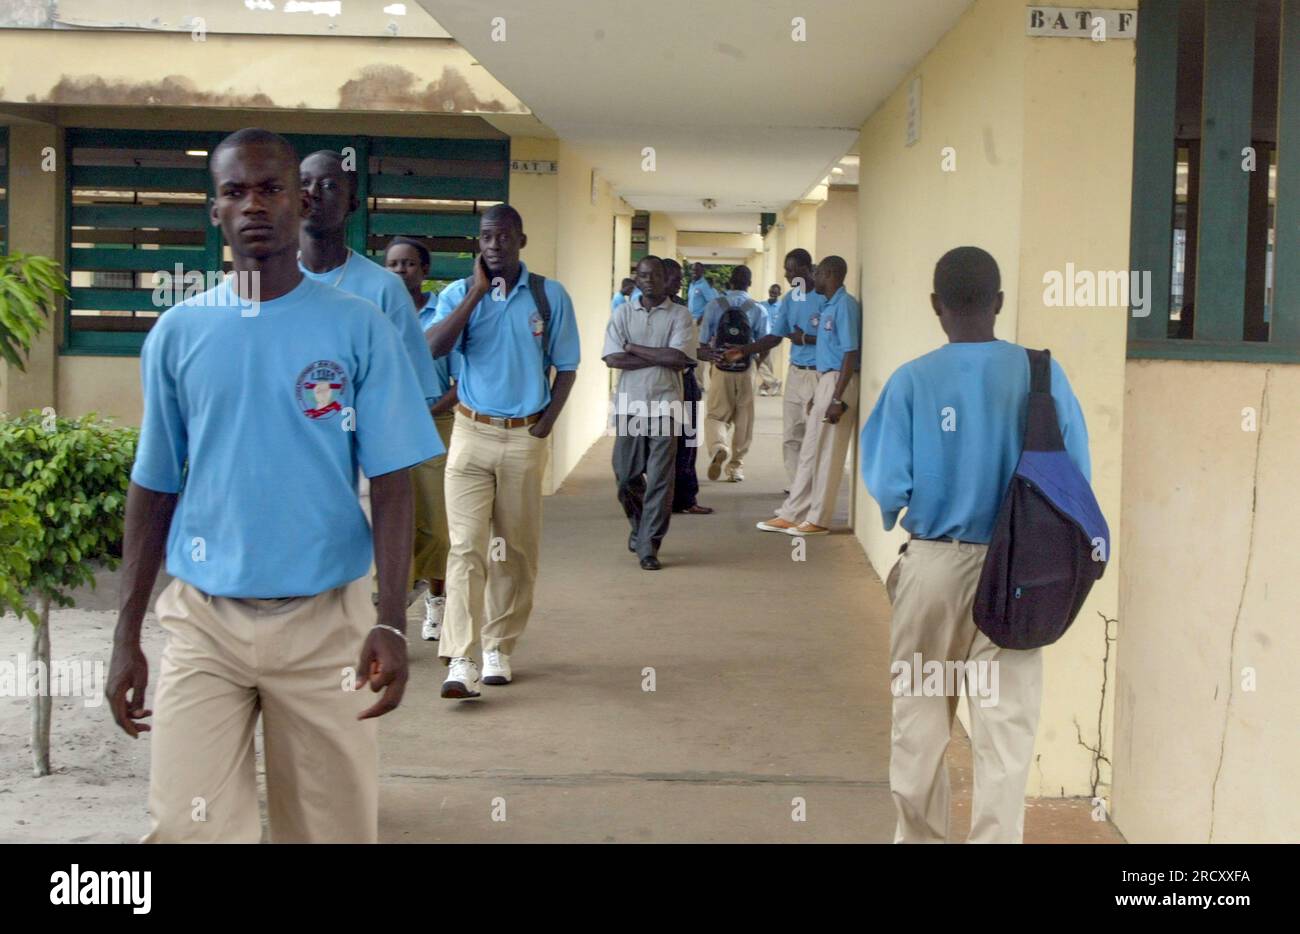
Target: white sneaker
736, 476
462, 676
496, 667
433, 609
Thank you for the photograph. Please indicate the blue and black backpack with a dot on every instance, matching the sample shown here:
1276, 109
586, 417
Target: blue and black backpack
1050, 542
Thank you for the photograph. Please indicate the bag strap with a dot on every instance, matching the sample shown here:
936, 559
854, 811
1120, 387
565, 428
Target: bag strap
1042, 429
537, 286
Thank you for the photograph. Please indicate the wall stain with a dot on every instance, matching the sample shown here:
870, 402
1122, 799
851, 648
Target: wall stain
392, 87
171, 91
727, 49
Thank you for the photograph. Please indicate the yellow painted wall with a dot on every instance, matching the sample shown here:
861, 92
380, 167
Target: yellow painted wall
1208, 597
535, 197
837, 232
663, 236
1041, 129
35, 205
106, 68
585, 264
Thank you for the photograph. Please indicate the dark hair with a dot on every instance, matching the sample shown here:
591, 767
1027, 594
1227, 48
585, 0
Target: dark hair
651, 258
836, 265
967, 280
502, 212
255, 136
673, 265
416, 245
340, 159
742, 272
800, 256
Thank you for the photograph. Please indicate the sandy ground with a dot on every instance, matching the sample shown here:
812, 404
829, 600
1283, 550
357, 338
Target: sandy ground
766, 693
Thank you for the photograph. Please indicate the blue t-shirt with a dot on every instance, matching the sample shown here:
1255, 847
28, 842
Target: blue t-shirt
698, 295
444, 368
838, 331
619, 298
733, 298
260, 424
502, 362
363, 277
802, 310
946, 433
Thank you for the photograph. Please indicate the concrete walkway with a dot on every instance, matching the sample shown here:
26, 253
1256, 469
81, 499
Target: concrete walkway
762, 689
771, 689
770, 698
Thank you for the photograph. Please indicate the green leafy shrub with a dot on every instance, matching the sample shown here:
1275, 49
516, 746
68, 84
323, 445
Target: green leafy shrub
29, 288
70, 477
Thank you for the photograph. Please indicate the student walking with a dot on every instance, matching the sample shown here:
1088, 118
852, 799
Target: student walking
509, 328
768, 384
798, 316
647, 342
942, 443
254, 425
686, 484
732, 321
325, 257
810, 504
409, 261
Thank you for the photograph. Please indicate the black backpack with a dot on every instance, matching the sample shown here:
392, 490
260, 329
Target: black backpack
733, 330
1050, 542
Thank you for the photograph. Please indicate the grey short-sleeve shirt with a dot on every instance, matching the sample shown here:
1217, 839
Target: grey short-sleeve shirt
665, 325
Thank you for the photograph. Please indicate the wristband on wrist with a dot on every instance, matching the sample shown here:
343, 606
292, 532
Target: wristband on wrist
392, 629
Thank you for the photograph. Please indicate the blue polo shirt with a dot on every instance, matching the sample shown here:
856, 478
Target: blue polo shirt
260, 424
769, 315
444, 368
619, 298
698, 295
733, 298
838, 331
363, 277
802, 310
946, 433
502, 361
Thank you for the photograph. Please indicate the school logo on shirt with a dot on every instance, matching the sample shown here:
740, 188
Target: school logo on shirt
829, 324
535, 324
814, 320
319, 388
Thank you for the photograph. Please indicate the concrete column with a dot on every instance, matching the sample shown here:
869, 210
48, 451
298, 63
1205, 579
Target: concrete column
36, 224
535, 198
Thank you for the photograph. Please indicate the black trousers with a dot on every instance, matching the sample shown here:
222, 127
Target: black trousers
643, 470
687, 481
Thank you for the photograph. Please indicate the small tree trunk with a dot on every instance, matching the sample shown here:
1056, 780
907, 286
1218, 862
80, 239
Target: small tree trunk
42, 702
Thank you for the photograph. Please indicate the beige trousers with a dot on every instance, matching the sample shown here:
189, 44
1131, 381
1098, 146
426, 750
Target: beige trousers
729, 421
821, 456
494, 518
225, 662
932, 587
431, 543
800, 387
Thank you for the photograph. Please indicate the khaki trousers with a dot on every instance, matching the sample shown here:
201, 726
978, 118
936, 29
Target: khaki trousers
821, 456
729, 421
932, 587
800, 387
225, 662
494, 518
431, 544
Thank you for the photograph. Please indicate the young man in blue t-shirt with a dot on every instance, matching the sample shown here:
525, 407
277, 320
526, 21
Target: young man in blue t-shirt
261, 398
507, 409
942, 443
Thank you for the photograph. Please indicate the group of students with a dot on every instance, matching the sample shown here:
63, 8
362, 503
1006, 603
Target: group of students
257, 420
656, 342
